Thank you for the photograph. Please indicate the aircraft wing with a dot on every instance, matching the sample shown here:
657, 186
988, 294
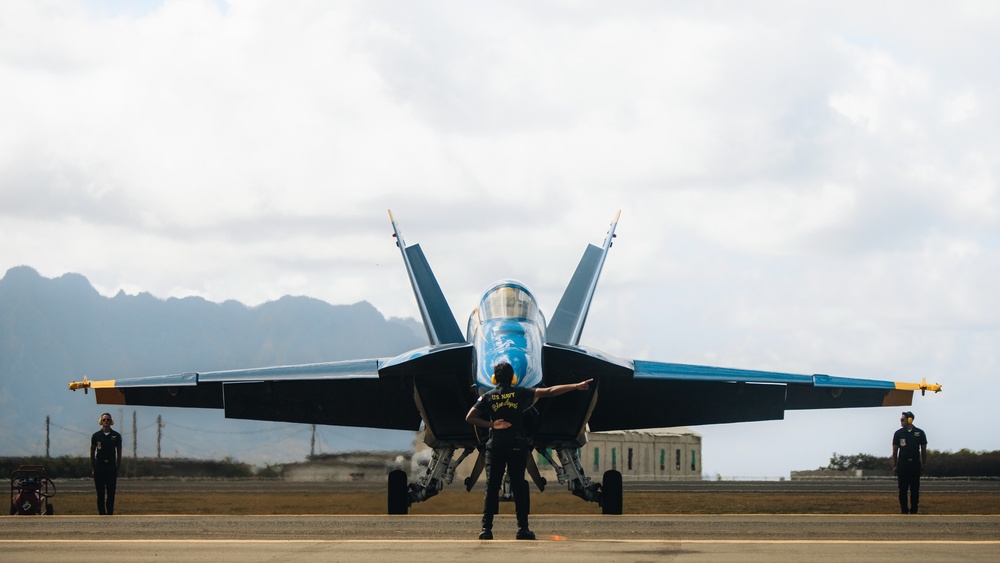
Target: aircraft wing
345, 393
666, 394
633, 394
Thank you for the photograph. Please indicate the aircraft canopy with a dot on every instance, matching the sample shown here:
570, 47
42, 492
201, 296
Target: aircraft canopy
508, 300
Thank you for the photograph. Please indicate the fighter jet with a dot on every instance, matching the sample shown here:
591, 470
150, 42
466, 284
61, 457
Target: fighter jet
432, 387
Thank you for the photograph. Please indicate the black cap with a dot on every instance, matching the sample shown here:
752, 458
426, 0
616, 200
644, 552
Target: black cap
908, 414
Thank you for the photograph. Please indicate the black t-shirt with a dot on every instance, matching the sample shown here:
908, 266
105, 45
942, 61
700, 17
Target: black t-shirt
909, 442
105, 449
509, 404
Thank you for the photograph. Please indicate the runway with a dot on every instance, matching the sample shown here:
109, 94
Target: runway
848, 486
224, 539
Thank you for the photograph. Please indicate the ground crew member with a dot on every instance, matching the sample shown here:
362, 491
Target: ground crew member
105, 459
909, 456
502, 411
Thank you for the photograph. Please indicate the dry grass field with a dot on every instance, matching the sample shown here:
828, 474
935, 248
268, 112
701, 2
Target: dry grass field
556, 502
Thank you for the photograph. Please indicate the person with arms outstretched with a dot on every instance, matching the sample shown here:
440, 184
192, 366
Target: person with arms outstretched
502, 411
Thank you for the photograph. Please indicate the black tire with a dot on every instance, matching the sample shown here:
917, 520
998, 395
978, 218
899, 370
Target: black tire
398, 502
49, 510
611, 493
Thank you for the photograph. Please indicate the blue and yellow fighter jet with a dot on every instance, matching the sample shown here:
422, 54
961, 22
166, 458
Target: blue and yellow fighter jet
434, 386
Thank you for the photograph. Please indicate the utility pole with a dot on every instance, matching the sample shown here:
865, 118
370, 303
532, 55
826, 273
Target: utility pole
312, 443
159, 433
47, 436
134, 433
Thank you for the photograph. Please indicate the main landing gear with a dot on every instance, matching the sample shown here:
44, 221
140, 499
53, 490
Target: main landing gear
611, 492
441, 471
569, 470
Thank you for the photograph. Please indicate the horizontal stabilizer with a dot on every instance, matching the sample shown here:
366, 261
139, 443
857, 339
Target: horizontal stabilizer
442, 383
563, 419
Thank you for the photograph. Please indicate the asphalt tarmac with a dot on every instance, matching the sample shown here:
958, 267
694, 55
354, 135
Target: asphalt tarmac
224, 539
929, 485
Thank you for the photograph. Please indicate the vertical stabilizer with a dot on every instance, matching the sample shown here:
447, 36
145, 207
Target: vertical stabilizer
438, 318
570, 315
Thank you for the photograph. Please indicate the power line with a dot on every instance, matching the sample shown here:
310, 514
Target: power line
189, 429
73, 430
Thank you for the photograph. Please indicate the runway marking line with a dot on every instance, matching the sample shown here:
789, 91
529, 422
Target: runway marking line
563, 540
545, 515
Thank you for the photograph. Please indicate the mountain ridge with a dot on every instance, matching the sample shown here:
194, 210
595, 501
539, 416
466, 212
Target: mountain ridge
53, 330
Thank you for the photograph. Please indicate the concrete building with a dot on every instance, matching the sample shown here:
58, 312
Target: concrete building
656, 454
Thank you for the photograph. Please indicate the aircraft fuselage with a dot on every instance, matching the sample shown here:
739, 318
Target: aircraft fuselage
507, 326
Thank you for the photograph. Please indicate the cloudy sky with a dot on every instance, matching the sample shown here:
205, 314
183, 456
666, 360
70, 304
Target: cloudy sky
809, 188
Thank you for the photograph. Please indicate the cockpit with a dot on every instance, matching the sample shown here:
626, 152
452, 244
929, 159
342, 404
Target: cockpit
508, 300
508, 327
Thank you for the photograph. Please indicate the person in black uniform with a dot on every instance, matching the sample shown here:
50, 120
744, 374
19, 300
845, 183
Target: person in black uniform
909, 456
502, 411
105, 459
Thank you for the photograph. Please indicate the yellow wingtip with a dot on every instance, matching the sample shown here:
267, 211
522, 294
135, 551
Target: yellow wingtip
74, 385
923, 386
88, 384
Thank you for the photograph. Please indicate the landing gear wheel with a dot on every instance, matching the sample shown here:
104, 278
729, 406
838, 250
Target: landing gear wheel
49, 510
398, 501
611, 493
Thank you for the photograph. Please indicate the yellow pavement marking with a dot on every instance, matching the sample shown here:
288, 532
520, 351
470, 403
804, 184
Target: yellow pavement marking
698, 541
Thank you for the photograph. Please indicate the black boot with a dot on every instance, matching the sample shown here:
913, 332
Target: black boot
487, 533
522, 500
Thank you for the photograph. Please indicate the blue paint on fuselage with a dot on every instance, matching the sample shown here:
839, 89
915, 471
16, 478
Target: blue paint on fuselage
507, 327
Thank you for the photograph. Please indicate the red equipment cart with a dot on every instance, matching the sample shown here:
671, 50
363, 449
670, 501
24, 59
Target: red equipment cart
30, 490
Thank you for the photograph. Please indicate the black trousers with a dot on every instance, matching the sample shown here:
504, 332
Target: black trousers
908, 477
106, 481
514, 460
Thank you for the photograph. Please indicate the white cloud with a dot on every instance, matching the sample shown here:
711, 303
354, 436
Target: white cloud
804, 187
961, 107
